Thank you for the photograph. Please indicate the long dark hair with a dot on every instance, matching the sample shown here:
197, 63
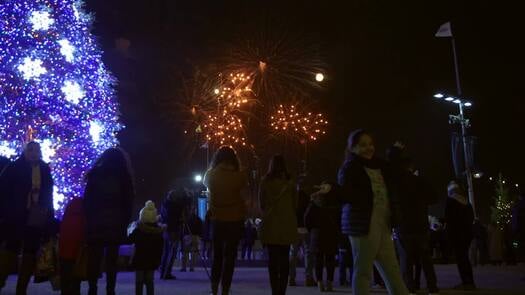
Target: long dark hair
353, 140
227, 155
277, 168
115, 160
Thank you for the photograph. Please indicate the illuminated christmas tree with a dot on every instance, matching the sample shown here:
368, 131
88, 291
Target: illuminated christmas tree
54, 87
502, 209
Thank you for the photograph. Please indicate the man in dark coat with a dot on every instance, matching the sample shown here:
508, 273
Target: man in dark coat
26, 187
171, 214
412, 229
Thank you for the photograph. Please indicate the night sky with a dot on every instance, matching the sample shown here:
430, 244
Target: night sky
383, 66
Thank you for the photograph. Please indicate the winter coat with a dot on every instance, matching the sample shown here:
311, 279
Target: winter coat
148, 242
72, 230
278, 201
15, 186
357, 195
322, 221
414, 196
108, 201
171, 212
225, 184
459, 219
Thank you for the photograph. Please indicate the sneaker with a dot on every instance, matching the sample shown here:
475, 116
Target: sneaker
192, 270
343, 283
320, 285
182, 270
329, 287
292, 283
310, 282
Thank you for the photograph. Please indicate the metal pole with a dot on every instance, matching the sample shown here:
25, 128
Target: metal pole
456, 66
468, 172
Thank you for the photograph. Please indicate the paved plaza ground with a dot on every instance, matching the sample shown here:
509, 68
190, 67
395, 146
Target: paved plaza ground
491, 280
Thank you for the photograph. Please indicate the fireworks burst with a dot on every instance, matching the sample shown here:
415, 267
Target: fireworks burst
224, 128
235, 91
218, 111
293, 123
278, 64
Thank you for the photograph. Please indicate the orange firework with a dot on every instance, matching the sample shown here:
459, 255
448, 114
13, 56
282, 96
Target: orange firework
236, 91
291, 122
224, 128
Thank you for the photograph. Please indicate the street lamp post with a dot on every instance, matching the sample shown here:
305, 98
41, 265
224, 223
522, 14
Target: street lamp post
464, 123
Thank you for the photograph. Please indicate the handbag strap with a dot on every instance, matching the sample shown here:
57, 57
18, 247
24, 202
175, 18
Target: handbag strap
281, 194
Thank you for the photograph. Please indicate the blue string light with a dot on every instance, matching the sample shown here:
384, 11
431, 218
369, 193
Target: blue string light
53, 81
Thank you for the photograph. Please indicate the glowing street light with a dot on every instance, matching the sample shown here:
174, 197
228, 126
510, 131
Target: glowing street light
464, 123
198, 178
319, 77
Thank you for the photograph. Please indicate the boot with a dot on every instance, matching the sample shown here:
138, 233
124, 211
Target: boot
329, 286
7, 261
27, 266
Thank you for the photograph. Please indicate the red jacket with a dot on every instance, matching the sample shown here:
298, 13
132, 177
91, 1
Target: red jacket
72, 230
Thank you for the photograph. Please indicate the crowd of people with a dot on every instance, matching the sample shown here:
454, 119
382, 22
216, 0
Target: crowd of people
371, 221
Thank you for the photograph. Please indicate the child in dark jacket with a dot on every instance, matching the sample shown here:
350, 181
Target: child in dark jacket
70, 243
146, 234
322, 220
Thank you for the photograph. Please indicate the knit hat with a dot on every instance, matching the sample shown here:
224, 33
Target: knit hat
148, 214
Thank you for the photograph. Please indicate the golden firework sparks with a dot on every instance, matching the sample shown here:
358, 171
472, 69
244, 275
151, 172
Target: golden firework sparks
224, 128
291, 122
